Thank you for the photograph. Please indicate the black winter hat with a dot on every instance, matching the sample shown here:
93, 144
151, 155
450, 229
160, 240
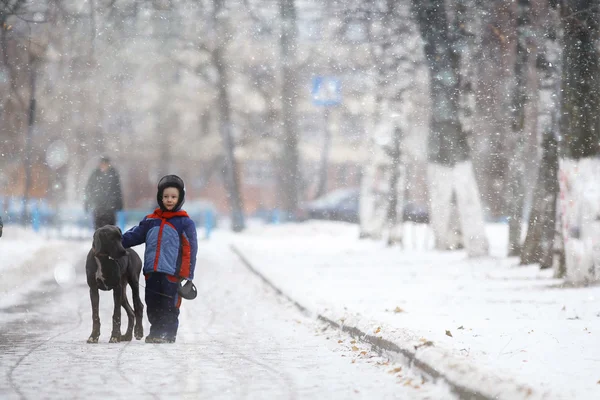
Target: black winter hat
170, 181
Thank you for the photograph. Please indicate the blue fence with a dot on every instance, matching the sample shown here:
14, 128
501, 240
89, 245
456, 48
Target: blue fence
39, 215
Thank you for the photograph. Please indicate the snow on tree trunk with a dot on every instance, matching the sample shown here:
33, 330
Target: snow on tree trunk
460, 180
369, 226
580, 208
374, 191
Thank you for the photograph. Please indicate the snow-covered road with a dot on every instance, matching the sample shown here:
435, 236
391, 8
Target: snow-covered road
237, 340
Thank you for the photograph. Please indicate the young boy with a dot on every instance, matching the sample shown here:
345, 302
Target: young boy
170, 256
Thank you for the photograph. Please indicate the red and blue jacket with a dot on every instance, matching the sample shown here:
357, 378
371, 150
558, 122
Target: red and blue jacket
171, 243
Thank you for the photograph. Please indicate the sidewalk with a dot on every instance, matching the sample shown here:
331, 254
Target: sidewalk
487, 325
27, 258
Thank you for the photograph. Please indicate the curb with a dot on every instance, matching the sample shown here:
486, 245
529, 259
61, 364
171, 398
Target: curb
379, 344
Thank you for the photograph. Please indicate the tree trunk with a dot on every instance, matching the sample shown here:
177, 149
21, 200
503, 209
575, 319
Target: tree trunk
516, 191
579, 175
289, 93
231, 175
448, 150
541, 231
231, 170
396, 193
374, 192
539, 243
28, 159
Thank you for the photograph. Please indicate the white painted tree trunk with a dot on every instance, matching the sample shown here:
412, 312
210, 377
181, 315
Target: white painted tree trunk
460, 179
367, 201
396, 227
579, 205
375, 199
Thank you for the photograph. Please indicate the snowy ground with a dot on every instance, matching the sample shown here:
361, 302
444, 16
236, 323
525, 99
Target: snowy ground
237, 340
507, 331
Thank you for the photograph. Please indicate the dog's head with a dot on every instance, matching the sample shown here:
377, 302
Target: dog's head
107, 242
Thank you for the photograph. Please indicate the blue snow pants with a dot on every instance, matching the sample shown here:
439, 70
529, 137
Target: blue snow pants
162, 306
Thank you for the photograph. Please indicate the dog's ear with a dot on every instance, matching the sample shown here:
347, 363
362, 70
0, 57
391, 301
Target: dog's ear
97, 243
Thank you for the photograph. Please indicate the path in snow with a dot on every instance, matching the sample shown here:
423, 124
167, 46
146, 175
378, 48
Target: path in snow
237, 340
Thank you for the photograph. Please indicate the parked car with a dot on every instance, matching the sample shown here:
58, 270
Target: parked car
343, 205
339, 205
415, 212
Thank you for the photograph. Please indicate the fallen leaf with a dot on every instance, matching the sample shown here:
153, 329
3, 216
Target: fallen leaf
424, 344
398, 310
461, 327
354, 348
395, 370
378, 330
364, 353
353, 361
352, 341
448, 333
340, 341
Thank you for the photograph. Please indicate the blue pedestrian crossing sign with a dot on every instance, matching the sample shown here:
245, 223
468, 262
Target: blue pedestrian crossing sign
326, 91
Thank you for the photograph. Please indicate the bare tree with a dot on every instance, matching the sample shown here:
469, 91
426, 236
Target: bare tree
290, 176
448, 149
516, 144
389, 36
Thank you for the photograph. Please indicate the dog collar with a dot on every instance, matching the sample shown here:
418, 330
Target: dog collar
103, 255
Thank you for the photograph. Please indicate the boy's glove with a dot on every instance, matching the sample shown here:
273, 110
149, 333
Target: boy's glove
187, 291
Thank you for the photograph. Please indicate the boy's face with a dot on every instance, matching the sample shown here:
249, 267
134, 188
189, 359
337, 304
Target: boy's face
170, 198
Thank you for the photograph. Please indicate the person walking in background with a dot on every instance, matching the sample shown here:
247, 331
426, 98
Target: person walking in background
170, 257
103, 194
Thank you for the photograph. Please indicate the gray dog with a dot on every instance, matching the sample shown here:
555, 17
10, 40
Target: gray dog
111, 267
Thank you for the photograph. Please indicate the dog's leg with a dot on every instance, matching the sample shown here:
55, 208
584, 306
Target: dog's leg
129, 311
115, 336
95, 298
138, 306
